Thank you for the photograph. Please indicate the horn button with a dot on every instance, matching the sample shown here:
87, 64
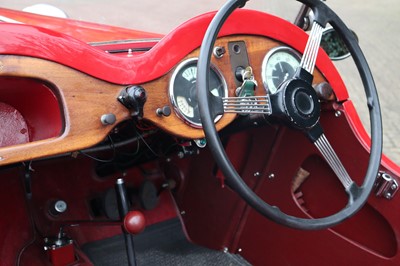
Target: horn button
304, 103
298, 103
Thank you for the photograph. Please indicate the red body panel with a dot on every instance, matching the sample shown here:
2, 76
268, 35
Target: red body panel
372, 233
84, 31
54, 46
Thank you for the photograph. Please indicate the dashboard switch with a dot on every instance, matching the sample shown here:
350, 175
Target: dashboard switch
134, 98
108, 119
164, 111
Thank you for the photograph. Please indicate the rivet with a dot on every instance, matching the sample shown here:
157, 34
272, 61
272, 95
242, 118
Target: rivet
257, 174
393, 187
129, 52
388, 195
183, 212
239, 250
338, 113
271, 176
225, 250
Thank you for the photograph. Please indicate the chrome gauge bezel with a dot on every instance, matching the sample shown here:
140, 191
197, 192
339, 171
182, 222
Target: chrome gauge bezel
177, 110
268, 56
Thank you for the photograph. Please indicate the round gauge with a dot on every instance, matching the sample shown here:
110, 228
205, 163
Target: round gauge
279, 65
182, 90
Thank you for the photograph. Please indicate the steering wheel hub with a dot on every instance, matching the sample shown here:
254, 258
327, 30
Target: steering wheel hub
298, 103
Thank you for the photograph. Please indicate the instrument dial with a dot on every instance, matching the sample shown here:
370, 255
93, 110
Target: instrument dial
279, 65
182, 90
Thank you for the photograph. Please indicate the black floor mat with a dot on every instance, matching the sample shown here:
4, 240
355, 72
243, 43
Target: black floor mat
161, 244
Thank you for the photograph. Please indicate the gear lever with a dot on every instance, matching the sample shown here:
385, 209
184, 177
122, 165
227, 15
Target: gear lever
133, 221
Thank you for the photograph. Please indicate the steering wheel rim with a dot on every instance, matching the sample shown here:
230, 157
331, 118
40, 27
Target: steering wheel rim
357, 195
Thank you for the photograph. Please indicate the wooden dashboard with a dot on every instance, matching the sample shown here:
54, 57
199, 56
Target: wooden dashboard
80, 101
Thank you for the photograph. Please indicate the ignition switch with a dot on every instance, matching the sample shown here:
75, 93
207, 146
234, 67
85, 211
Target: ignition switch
133, 98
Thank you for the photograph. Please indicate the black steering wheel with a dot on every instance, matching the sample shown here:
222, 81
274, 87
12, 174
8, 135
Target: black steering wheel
297, 104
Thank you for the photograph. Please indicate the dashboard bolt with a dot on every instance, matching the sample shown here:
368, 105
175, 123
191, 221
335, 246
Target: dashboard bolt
239, 250
257, 174
394, 187
388, 195
219, 51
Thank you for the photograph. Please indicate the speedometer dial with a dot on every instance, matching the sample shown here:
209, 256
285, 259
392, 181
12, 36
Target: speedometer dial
182, 90
279, 65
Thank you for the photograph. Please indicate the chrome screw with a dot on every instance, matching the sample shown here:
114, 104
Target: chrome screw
271, 176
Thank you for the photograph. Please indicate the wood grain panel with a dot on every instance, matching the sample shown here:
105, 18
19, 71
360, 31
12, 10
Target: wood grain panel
257, 48
85, 99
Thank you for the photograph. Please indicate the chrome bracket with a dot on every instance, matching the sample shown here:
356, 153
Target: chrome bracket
385, 186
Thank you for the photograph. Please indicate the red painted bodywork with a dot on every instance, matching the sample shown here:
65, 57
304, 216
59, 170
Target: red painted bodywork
213, 216
84, 31
371, 235
58, 47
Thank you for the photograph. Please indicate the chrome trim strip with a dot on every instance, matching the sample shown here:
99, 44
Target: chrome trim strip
128, 41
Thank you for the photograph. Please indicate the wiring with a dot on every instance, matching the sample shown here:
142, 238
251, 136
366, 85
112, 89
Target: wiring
102, 160
28, 203
147, 145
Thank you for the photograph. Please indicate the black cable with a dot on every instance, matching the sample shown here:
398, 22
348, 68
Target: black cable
31, 219
102, 160
148, 146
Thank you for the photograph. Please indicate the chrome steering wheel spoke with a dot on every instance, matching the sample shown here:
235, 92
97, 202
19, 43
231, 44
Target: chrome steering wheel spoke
329, 154
310, 54
247, 105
